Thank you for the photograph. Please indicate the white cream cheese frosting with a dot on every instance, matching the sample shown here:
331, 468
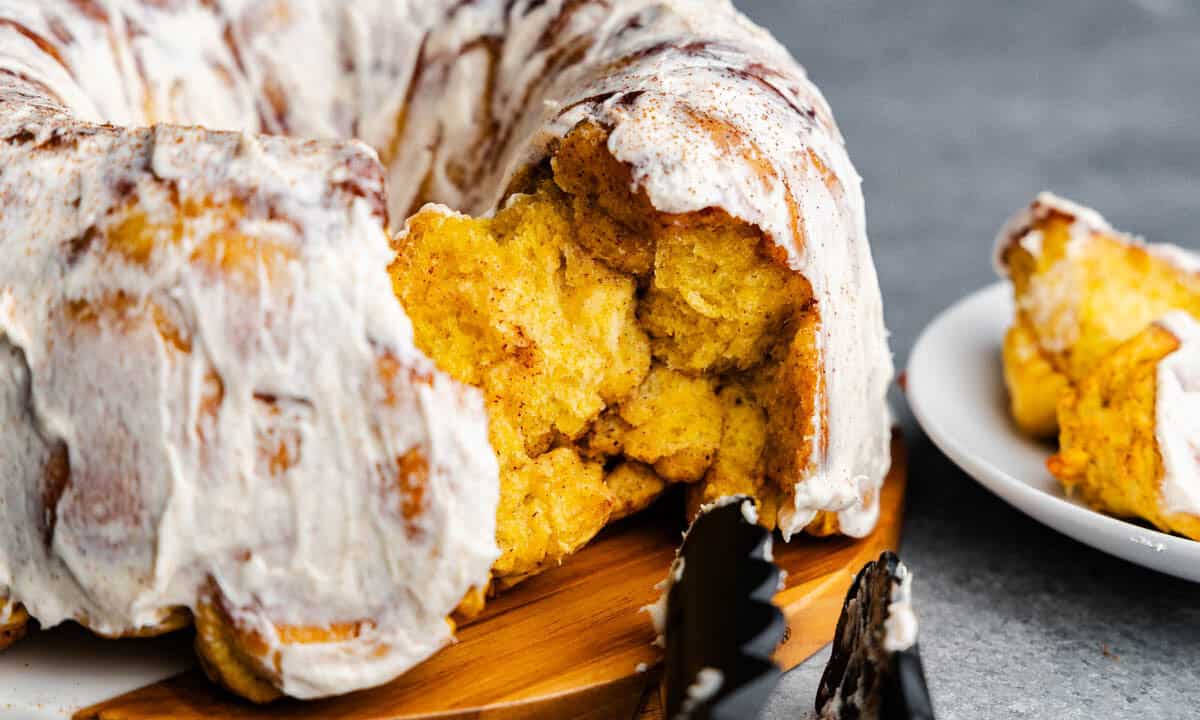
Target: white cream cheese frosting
1177, 416
900, 625
174, 490
705, 687
283, 450
1051, 296
166, 501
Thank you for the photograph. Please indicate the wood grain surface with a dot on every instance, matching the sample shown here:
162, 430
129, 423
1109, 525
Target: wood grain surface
566, 643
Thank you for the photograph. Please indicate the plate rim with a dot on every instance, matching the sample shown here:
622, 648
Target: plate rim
1142, 545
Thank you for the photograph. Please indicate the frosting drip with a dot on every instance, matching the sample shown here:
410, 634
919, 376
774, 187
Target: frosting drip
1177, 416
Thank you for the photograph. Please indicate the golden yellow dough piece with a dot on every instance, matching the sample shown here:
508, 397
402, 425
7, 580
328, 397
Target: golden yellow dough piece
785, 387
1034, 386
633, 487
1081, 289
232, 658
618, 349
714, 303
675, 424
223, 248
549, 507
739, 468
1109, 453
472, 604
550, 335
824, 524
13, 622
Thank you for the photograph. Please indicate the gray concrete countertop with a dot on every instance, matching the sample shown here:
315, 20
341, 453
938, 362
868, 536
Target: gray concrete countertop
956, 112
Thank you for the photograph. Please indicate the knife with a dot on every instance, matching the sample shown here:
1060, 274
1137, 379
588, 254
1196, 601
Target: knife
719, 629
875, 671
716, 619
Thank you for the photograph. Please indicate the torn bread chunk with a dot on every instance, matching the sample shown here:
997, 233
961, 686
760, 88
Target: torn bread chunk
619, 349
1081, 288
1130, 429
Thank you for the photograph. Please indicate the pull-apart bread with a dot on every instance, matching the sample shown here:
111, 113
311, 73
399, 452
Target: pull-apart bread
318, 319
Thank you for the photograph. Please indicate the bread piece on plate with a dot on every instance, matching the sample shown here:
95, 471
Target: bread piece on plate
1131, 429
1033, 383
1081, 288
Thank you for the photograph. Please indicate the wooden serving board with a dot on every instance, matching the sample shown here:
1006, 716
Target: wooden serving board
566, 643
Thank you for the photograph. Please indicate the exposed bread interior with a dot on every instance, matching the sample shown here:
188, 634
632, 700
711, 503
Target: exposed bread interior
1109, 454
619, 349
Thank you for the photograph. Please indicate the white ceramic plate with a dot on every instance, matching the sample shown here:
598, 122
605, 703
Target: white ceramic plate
956, 391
